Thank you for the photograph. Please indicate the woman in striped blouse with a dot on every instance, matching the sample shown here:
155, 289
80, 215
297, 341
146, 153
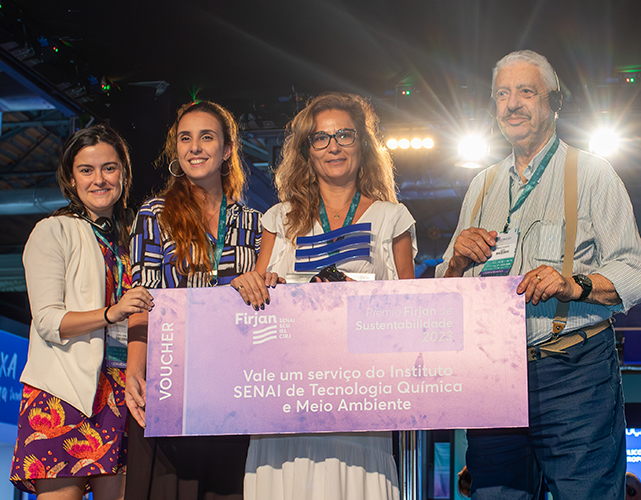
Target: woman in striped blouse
195, 234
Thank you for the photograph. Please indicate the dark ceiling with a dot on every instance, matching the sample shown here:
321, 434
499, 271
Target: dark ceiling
256, 49
262, 59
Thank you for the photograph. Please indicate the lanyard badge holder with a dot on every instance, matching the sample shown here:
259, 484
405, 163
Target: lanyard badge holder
116, 337
500, 263
216, 247
570, 209
117, 344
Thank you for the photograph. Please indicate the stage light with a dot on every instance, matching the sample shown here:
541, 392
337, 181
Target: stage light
415, 143
472, 149
604, 142
470, 165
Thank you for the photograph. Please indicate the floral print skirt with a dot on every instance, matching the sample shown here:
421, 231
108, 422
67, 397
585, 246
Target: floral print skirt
57, 440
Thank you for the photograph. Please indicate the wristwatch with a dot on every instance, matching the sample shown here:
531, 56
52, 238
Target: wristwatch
585, 283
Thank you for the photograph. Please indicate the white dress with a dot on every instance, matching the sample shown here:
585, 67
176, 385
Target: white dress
345, 466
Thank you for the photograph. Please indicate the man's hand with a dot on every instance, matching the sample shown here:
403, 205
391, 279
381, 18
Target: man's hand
472, 245
545, 282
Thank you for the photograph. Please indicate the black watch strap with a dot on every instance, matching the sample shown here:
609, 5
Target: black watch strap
585, 283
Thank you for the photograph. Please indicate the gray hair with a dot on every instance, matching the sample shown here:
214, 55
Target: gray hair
529, 56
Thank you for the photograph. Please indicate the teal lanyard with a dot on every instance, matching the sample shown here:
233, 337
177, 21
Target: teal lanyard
119, 264
532, 183
220, 240
350, 213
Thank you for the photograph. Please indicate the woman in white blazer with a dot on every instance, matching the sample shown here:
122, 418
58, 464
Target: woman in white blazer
71, 429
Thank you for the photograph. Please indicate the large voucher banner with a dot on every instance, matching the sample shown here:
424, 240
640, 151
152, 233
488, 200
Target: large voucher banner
333, 357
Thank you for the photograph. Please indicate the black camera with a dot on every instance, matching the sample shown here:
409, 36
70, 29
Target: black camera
329, 273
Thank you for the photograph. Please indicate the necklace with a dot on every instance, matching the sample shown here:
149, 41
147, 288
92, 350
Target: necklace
213, 216
338, 212
348, 218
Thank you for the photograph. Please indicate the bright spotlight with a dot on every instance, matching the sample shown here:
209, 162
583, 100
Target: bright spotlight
392, 144
403, 144
428, 143
417, 143
470, 165
472, 148
604, 142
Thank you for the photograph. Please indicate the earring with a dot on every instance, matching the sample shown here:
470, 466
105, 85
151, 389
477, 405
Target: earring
225, 162
360, 172
171, 171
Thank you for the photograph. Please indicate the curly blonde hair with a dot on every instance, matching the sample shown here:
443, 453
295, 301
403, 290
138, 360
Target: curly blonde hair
296, 180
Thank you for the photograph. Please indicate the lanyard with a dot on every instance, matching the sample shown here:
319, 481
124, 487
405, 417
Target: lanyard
348, 218
220, 240
532, 183
119, 264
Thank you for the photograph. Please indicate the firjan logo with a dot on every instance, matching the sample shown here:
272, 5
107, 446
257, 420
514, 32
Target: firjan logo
264, 335
260, 334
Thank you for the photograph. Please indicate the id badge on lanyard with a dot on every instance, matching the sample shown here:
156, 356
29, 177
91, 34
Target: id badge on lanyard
117, 344
500, 263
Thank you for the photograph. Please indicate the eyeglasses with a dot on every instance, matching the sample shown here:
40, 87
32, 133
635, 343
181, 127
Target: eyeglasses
343, 137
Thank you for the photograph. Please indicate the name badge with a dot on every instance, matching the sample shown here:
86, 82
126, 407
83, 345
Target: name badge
117, 344
500, 263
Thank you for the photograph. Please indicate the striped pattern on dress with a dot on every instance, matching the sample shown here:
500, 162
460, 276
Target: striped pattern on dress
152, 249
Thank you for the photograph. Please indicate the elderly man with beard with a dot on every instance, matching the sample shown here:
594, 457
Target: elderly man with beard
576, 435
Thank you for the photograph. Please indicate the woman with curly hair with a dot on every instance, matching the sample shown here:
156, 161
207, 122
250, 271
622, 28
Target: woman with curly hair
335, 171
195, 234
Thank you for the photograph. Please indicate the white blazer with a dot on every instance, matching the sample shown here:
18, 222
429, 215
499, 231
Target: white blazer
65, 271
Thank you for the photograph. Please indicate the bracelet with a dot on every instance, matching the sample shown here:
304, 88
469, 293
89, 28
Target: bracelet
106, 318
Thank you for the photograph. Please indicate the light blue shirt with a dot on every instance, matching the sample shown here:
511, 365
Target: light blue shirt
607, 238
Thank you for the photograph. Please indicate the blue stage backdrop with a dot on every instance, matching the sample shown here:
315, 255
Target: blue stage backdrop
13, 356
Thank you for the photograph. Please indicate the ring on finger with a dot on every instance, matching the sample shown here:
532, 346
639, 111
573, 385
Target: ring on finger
239, 287
538, 277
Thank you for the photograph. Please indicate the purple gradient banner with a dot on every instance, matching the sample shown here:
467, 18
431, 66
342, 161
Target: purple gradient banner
338, 357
